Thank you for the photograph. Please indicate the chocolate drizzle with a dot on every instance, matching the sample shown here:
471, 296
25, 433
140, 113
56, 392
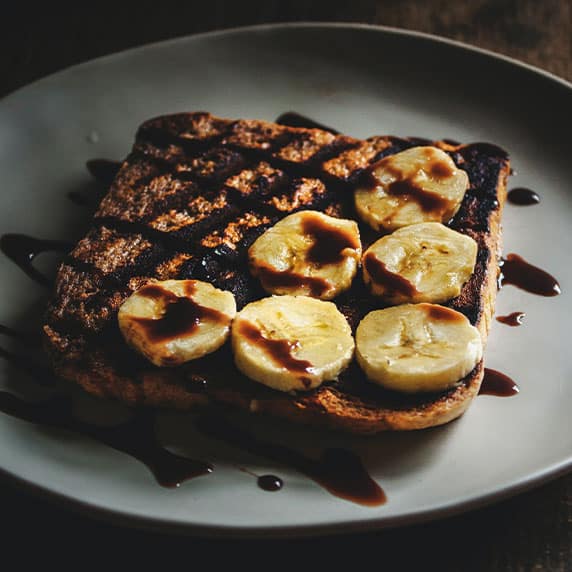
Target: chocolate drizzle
498, 384
514, 319
440, 169
392, 282
103, 170
41, 375
330, 245
22, 250
523, 197
27, 338
280, 351
443, 313
339, 471
79, 199
517, 271
270, 483
181, 315
274, 279
135, 437
329, 242
293, 119
428, 201
406, 187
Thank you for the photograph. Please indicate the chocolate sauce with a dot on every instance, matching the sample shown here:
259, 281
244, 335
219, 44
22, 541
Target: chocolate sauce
28, 338
280, 351
339, 471
270, 483
78, 198
497, 383
523, 197
514, 319
41, 375
293, 119
440, 169
135, 437
103, 170
444, 314
329, 243
273, 279
428, 201
181, 316
405, 187
518, 272
84, 200
394, 283
22, 250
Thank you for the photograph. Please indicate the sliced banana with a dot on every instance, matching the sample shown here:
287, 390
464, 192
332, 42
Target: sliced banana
425, 262
417, 347
307, 253
421, 184
291, 343
175, 321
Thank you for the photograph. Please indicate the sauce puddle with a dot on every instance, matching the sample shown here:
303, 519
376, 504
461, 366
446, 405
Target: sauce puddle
523, 197
514, 319
517, 271
498, 384
269, 483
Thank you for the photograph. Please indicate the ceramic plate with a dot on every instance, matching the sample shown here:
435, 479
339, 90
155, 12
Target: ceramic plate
361, 80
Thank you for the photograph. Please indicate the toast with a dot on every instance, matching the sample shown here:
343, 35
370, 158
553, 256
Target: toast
191, 197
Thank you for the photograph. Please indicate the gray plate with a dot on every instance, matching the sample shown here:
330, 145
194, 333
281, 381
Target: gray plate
362, 80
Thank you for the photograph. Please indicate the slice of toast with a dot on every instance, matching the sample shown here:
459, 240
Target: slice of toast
188, 201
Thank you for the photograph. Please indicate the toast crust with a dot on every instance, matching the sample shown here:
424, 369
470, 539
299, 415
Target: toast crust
216, 183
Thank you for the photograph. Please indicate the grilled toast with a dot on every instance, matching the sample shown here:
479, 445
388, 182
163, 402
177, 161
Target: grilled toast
191, 197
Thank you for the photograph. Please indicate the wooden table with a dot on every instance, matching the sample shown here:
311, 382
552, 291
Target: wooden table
532, 531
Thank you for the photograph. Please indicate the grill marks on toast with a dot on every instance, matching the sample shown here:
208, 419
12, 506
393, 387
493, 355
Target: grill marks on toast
111, 253
203, 187
141, 191
196, 191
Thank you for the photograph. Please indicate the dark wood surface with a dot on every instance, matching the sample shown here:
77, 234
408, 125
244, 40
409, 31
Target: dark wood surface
532, 531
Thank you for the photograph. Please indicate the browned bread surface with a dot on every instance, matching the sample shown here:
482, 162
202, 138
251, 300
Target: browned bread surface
188, 201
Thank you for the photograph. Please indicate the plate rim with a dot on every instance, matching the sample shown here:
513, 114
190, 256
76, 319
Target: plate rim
124, 519
391, 30
158, 524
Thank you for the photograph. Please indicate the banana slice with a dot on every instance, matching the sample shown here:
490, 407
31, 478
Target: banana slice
425, 262
421, 184
291, 342
175, 321
307, 253
417, 347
